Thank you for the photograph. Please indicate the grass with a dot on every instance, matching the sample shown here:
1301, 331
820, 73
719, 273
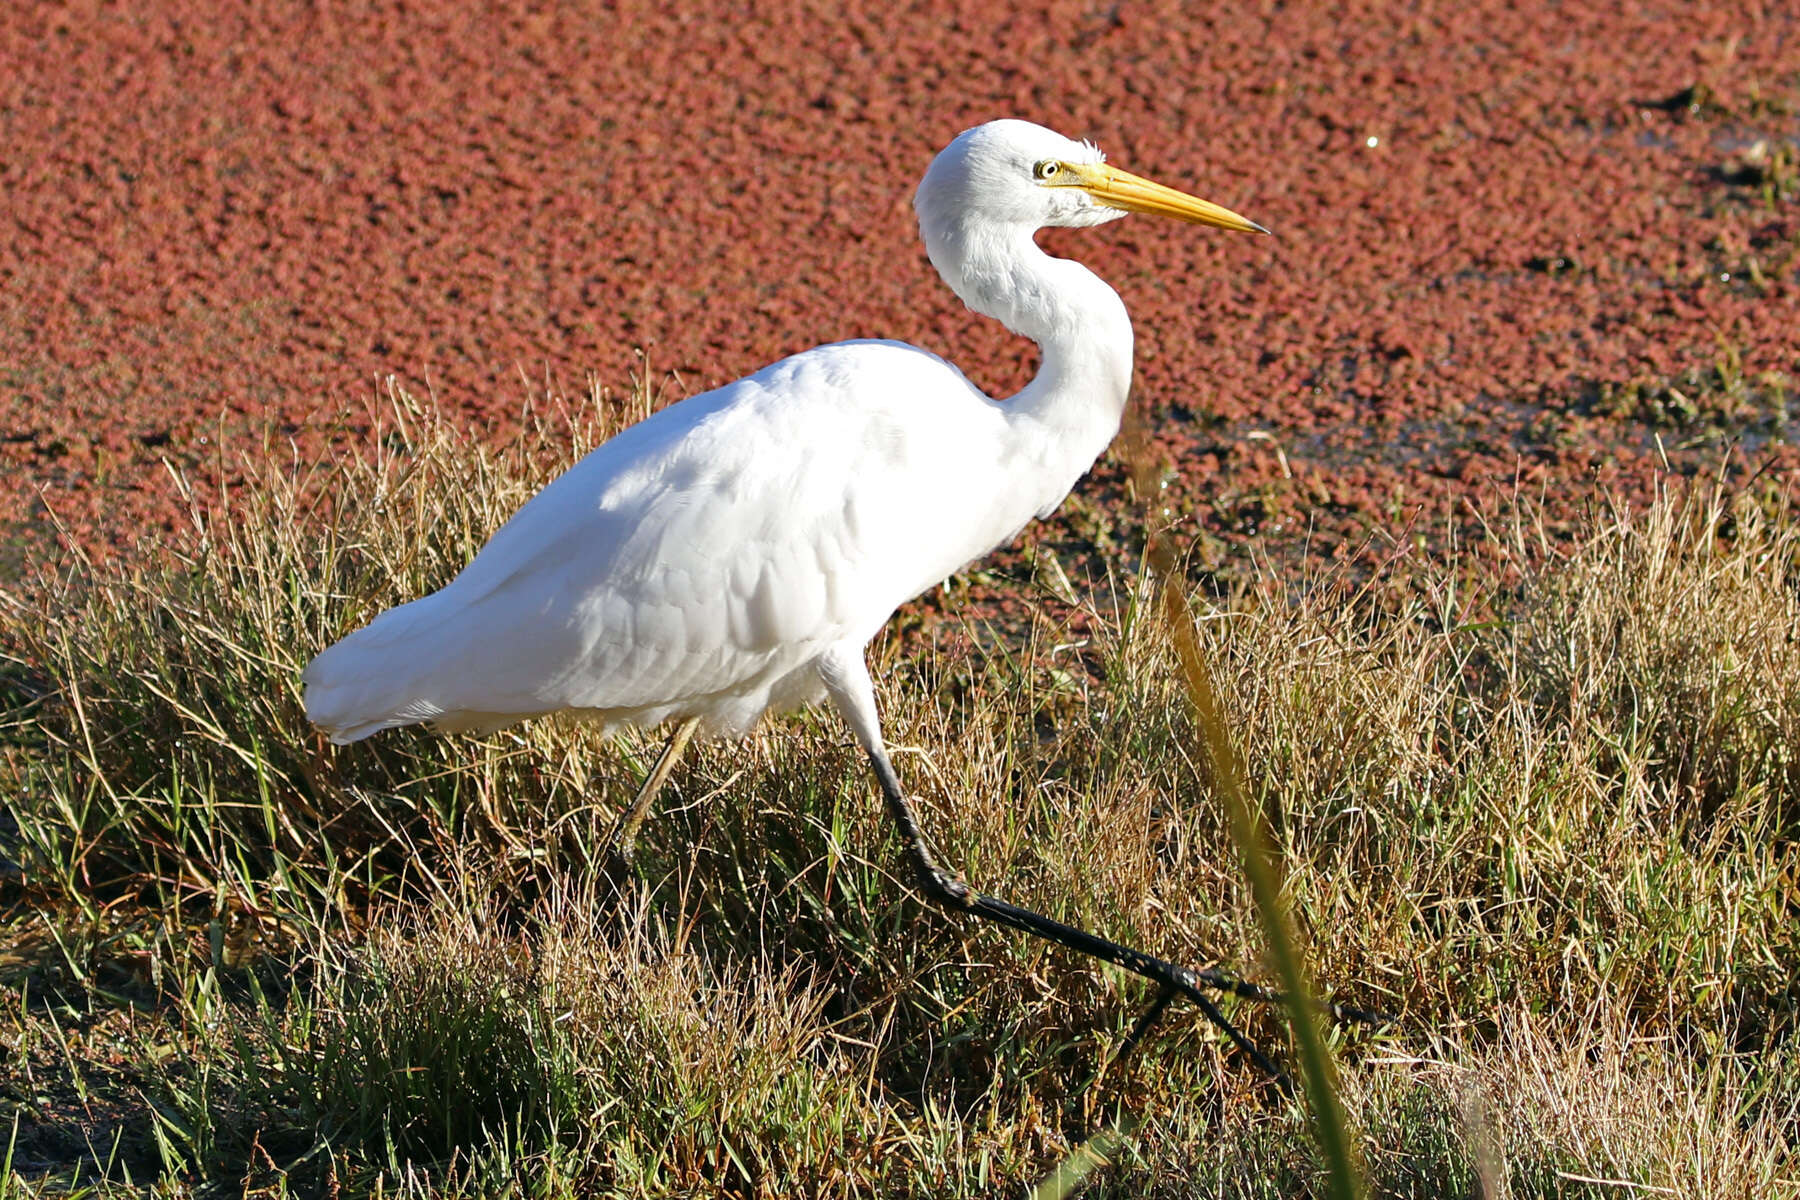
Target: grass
1539, 799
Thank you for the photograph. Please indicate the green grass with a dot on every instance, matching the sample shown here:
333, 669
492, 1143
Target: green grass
1538, 799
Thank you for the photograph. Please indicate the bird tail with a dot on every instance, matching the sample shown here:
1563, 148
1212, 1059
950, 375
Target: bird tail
377, 677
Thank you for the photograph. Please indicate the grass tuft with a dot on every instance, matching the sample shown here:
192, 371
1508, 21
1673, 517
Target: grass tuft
1538, 799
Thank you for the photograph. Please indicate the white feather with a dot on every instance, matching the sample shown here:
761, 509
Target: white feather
713, 559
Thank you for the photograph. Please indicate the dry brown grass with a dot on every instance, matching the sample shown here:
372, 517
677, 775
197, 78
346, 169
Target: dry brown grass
1540, 802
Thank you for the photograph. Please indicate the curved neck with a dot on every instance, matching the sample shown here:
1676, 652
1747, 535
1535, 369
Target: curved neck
1079, 323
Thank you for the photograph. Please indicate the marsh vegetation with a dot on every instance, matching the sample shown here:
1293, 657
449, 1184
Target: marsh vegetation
1537, 797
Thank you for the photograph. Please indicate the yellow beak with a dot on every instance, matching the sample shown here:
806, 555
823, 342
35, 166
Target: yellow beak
1133, 193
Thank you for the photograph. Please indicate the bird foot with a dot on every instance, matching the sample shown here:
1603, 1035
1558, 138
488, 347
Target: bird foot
621, 865
943, 887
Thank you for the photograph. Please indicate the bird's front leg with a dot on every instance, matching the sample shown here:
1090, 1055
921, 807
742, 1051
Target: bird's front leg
940, 885
846, 679
953, 894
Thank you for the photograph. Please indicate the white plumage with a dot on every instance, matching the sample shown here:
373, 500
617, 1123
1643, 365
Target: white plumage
733, 553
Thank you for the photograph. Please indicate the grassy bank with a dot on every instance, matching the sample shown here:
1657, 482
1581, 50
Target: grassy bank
1538, 799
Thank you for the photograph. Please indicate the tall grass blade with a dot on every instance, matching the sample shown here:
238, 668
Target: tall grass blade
1084, 1160
1248, 833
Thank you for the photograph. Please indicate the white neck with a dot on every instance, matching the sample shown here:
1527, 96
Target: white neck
1070, 411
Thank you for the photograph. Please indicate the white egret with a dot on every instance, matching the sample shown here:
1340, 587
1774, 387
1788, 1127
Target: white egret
734, 553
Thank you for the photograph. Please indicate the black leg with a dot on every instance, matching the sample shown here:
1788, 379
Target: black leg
1151, 1015
955, 895
937, 883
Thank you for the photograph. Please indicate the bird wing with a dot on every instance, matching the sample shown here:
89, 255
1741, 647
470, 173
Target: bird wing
698, 559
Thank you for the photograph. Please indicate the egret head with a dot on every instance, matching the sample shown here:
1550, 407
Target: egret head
1014, 173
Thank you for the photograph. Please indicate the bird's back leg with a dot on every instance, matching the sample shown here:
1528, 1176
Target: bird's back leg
625, 830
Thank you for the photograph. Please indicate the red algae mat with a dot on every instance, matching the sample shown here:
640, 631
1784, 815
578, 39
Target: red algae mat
1517, 245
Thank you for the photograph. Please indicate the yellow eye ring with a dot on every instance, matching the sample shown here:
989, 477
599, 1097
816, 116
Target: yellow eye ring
1047, 169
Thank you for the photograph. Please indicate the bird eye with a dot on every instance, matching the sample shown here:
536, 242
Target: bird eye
1047, 169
